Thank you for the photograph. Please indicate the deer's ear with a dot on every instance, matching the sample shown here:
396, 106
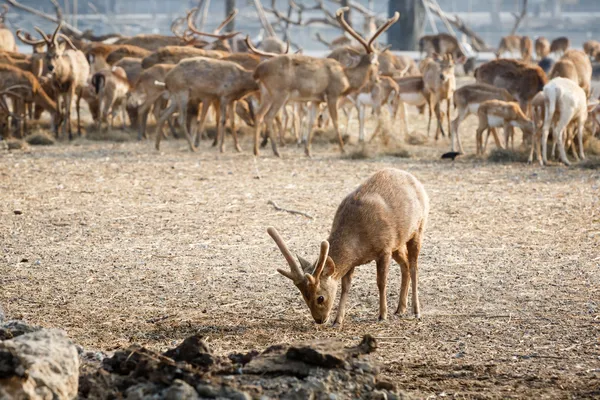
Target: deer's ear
329, 269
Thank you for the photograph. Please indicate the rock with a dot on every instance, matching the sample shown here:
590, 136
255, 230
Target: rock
378, 395
385, 385
193, 350
2, 315
12, 329
330, 354
243, 358
43, 365
180, 390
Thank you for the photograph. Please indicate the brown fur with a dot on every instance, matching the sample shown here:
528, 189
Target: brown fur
33, 93
583, 67
384, 218
245, 60
560, 45
410, 88
111, 87
208, 81
565, 69
174, 54
440, 82
511, 44
526, 48
302, 78
132, 67
441, 44
542, 47
468, 96
511, 115
147, 95
152, 42
591, 48
522, 80
126, 51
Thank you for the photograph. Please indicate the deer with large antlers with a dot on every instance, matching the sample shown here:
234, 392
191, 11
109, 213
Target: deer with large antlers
383, 218
294, 77
70, 70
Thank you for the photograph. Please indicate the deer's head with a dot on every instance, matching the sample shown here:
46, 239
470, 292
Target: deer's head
352, 58
55, 49
315, 281
446, 67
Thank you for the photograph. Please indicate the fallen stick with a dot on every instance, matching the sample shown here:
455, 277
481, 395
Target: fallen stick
271, 202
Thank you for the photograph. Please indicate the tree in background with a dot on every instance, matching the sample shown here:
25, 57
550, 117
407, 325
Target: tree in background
405, 34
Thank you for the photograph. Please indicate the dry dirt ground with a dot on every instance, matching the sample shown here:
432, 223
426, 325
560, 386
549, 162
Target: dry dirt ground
118, 243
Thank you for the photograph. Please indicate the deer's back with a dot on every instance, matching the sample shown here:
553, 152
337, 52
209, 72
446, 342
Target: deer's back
381, 215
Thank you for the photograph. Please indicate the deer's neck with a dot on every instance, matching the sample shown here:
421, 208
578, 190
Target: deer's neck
359, 75
342, 252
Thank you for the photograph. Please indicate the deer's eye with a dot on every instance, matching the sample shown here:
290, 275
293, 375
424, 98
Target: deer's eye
320, 300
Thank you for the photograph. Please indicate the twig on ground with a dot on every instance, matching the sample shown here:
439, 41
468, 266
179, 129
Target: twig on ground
271, 202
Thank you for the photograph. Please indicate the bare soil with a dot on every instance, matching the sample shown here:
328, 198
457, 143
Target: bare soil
117, 243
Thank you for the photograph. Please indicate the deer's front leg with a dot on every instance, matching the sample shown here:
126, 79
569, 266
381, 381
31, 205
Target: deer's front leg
346, 283
383, 266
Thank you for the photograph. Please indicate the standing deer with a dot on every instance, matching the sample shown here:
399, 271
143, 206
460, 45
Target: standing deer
294, 77
501, 114
440, 82
111, 87
210, 82
70, 70
383, 218
467, 100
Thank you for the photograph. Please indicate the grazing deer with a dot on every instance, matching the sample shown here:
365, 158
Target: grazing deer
70, 70
565, 102
111, 87
207, 81
383, 218
440, 82
560, 45
542, 47
501, 114
7, 40
467, 100
294, 77
522, 80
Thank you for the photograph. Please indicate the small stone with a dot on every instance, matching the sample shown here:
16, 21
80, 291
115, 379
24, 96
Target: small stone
18, 212
24, 260
180, 390
385, 385
378, 395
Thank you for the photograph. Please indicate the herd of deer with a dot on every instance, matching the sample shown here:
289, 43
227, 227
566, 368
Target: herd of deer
267, 87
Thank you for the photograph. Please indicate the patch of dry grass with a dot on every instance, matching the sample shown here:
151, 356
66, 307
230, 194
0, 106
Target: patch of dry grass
40, 139
507, 156
416, 139
110, 135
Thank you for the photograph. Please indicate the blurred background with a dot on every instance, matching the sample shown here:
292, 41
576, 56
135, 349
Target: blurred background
490, 19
